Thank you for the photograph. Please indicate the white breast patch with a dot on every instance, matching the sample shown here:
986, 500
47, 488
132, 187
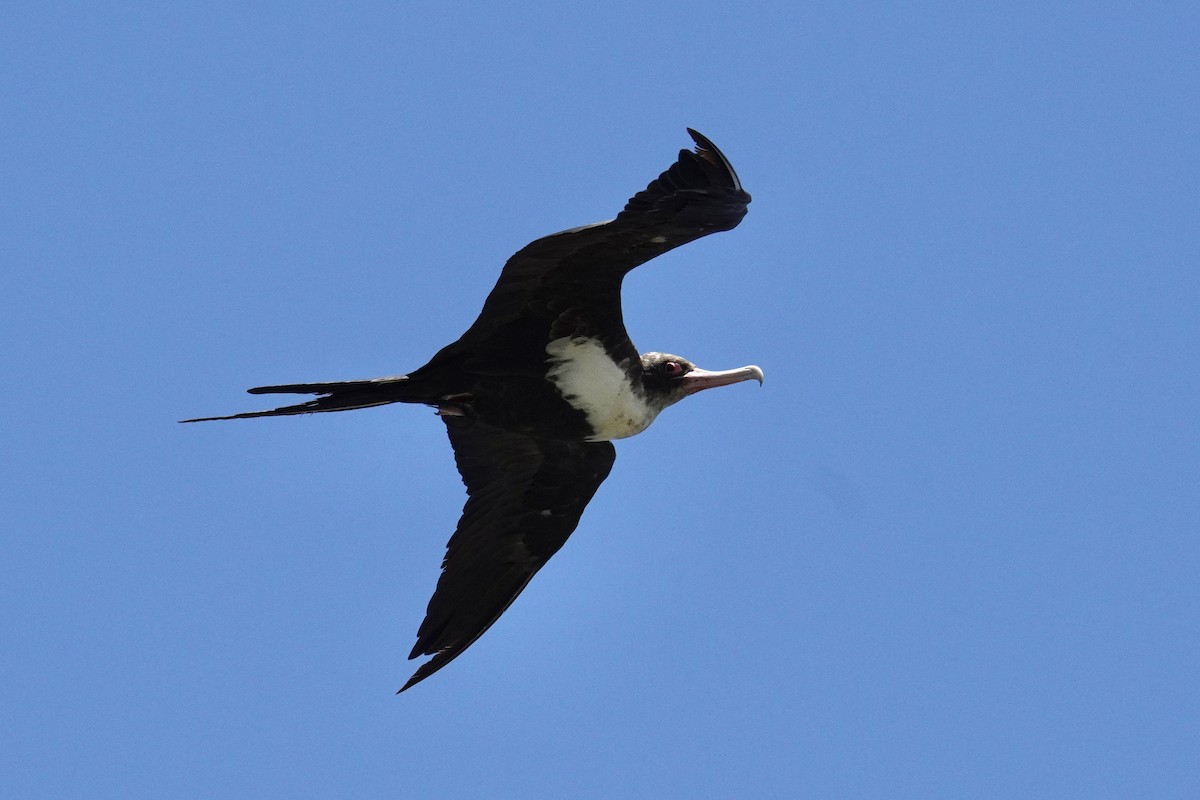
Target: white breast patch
593, 383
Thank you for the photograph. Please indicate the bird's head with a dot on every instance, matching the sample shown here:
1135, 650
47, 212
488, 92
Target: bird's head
668, 378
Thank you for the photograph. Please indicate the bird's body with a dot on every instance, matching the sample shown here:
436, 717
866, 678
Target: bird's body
536, 388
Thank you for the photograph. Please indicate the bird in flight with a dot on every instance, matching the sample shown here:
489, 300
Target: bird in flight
534, 392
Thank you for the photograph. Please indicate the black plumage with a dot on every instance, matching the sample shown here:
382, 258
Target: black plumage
536, 387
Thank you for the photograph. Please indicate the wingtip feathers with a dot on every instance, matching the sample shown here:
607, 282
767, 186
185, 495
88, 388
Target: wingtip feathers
708, 151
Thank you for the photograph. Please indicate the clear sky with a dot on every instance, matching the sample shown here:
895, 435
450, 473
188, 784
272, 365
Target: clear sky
948, 550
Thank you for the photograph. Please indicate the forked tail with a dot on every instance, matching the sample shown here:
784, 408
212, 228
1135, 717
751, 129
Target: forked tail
341, 396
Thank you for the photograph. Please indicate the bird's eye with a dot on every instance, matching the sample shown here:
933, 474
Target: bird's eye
673, 369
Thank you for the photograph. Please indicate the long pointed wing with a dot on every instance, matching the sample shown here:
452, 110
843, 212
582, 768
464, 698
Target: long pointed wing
525, 497
569, 283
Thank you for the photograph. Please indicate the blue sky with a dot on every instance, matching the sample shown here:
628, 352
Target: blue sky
948, 550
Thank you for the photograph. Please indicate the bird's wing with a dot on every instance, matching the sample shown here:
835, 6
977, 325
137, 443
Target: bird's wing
569, 283
525, 497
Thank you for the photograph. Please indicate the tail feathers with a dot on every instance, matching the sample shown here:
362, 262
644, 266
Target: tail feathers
329, 388
341, 396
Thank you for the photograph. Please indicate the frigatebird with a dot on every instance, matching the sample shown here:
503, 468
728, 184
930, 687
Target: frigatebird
535, 390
